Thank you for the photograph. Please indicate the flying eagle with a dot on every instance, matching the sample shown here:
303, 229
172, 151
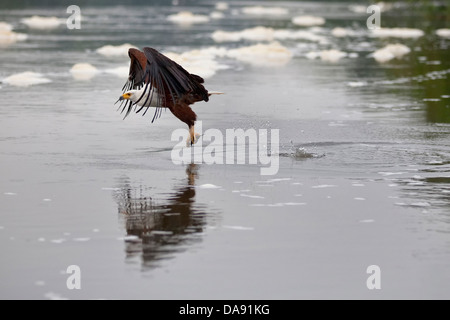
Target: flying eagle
156, 81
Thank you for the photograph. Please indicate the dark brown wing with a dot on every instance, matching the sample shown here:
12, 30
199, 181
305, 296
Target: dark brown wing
136, 76
138, 64
171, 80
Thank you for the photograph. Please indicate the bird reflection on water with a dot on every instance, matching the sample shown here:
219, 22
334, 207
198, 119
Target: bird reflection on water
159, 228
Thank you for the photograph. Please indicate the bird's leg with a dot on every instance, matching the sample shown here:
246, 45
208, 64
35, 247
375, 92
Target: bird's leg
193, 137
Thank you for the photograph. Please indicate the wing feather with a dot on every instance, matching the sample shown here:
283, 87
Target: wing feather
175, 87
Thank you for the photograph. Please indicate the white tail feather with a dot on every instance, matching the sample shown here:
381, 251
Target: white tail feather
215, 92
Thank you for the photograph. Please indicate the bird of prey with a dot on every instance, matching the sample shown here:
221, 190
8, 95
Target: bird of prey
156, 81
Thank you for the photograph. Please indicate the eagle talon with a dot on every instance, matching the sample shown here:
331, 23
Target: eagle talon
192, 139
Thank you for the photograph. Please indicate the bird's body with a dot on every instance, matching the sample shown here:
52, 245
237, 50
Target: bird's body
159, 82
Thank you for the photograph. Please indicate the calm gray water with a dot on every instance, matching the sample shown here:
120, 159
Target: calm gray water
364, 174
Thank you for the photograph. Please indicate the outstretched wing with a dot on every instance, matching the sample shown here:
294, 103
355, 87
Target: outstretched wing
136, 76
173, 85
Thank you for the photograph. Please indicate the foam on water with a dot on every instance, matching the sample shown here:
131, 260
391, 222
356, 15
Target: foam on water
25, 79
261, 33
264, 11
115, 51
391, 51
83, 71
5, 26
332, 55
222, 6
240, 228
444, 33
342, 32
357, 84
121, 72
7, 36
208, 186
264, 55
397, 33
216, 15
42, 23
308, 21
201, 62
322, 186
251, 196
54, 296
187, 18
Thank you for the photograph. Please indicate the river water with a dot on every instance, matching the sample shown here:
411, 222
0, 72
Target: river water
364, 160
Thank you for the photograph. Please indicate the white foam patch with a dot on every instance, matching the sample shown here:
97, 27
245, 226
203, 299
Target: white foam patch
47, 200
240, 228
342, 32
357, 8
7, 36
254, 34
431, 99
355, 84
251, 196
308, 21
322, 186
115, 51
54, 296
111, 189
187, 18
120, 72
387, 173
261, 33
264, 11
209, 186
332, 55
391, 51
10, 194
39, 283
222, 6
83, 71
397, 33
263, 55
444, 33
25, 79
5, 26
216, 15
294, 203
130, 238
360, 199
81, 239
201, 62
284, 34
43, 23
